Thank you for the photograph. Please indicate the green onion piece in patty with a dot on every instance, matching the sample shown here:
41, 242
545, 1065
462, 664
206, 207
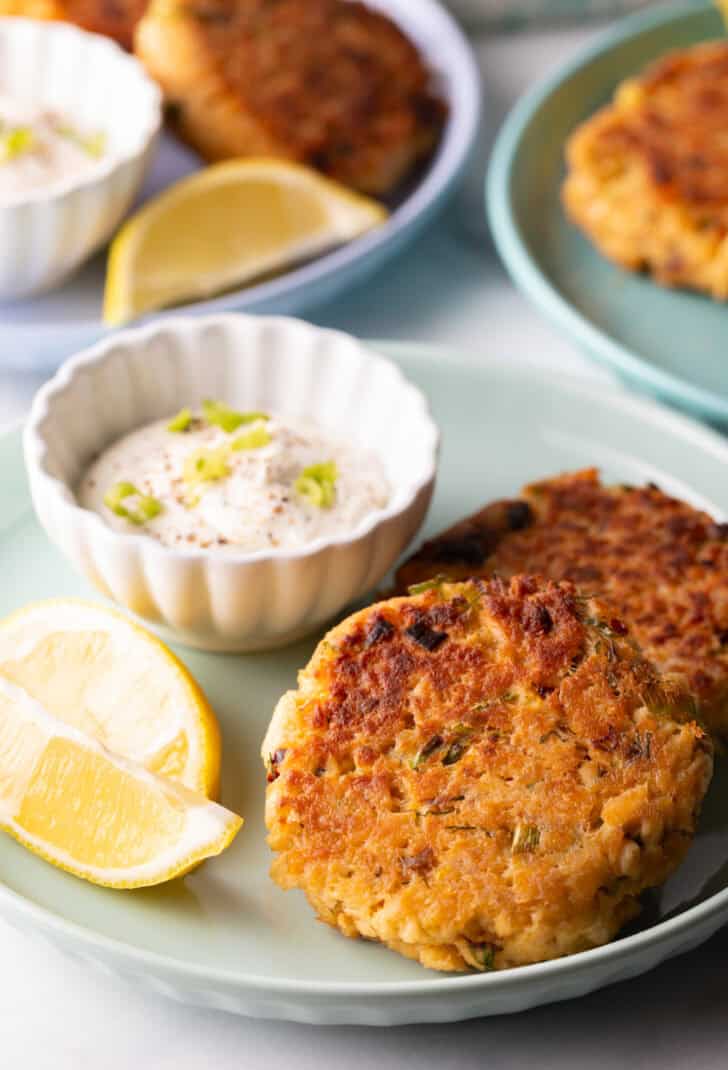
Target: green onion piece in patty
525, 838
433, 744
486, 954
427, 585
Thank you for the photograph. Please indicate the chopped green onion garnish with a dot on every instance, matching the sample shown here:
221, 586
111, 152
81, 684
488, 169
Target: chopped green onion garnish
252, 440
149, 507
205, 466
317, 484
92, 144
309, 489
220, 415
146, 508
117, 494
181, 421
16, 142
326, 470
253, 415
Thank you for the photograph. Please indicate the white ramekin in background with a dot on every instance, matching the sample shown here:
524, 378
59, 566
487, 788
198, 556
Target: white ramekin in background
246, 601
46, 233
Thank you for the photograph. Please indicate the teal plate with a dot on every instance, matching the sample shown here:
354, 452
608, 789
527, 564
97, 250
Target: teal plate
669, 343
226, 936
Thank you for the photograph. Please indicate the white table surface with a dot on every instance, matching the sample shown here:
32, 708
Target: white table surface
60, 1015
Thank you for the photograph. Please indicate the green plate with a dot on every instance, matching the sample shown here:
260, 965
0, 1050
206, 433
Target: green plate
670, 343
226, 936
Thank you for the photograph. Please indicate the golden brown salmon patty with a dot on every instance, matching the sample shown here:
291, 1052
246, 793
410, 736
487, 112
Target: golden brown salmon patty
648, 174
661, 563
113, 18
482, 775
327, 83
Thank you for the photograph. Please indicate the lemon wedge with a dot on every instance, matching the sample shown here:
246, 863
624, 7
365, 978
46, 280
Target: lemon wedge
112, 680
93, 813
224, 226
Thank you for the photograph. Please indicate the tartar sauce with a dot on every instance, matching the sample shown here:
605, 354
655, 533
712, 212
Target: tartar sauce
231, 481
41, 148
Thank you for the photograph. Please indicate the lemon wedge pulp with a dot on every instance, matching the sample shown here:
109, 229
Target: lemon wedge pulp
108, 748
96, 814
224, 226
96, 671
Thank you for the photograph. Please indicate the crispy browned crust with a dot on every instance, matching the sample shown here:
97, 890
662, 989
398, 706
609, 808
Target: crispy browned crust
113, 18
648, 174
482, 775
327, 83
681, 125
663, 564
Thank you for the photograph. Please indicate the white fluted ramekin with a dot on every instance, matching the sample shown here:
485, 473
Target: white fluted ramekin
46, 233
214, 601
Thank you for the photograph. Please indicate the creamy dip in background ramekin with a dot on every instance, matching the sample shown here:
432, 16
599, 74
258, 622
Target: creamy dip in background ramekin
40, 148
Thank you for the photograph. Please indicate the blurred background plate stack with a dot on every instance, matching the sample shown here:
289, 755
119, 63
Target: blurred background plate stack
36, 335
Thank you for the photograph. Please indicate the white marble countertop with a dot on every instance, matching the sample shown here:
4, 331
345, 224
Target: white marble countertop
61, 1015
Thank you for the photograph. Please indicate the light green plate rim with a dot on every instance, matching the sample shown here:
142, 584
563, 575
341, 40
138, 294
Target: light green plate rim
93, 945
516, 256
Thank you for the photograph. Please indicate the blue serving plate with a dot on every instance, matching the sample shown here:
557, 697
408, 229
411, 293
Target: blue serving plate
669, 343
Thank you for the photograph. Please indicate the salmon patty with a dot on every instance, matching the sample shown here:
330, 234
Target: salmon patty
328, 83
482, 775
648, 175
661, 563
112, 18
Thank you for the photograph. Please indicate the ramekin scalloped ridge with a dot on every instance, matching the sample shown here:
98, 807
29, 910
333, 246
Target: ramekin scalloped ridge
236, 601
46, 233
